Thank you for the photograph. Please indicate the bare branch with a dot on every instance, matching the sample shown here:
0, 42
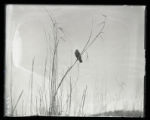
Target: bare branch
50, 17
94, 39
88, 39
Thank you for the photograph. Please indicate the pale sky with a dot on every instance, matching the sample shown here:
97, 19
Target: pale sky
115, 67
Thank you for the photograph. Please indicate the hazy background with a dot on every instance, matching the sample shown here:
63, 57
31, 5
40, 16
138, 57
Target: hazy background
115, 68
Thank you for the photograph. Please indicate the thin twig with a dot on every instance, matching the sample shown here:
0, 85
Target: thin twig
88, 39
101, 31
94, 39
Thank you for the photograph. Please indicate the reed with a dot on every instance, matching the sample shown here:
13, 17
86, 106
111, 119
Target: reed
55, 106
54, 89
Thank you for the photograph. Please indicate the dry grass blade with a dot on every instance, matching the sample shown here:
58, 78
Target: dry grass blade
54, 72
32, 84
46, 58
77, 78
22, 108
70, 94
46, 104
45, 71
84, 98
11, 81
40, 104
17, 101
36, 106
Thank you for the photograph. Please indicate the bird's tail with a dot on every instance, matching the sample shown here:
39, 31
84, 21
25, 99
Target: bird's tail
80, 60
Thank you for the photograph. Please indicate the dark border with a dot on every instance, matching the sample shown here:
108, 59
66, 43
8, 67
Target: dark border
2, 57
77, 2
3, 3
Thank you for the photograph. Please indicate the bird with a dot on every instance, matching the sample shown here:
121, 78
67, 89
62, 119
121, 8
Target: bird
78, 55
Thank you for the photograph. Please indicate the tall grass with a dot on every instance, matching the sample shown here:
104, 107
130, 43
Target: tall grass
55, 106
54, 68
53, 103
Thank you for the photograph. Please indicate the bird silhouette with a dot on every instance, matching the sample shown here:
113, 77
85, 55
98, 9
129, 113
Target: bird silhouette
78, 55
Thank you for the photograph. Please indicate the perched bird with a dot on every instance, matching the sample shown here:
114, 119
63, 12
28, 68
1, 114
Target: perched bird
78, 55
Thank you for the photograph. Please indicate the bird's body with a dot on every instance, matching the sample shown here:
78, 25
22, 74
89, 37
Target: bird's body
78, 56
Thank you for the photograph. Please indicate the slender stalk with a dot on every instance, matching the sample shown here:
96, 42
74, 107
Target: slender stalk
64, 77
46, 104
40, 104
67, 104
77, 78
11, 84
32, 85
80, 112
45, 59
45, 72
17, 101
70, 95
53, 80
36, 106
84, 99
88, 39
22, 108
